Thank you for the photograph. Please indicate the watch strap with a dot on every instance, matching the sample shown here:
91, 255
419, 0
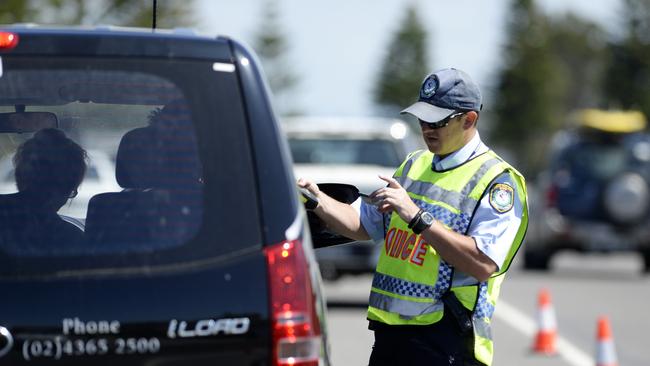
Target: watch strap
414, 221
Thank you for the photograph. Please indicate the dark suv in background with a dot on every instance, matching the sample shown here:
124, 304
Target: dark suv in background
595, 195
201, 256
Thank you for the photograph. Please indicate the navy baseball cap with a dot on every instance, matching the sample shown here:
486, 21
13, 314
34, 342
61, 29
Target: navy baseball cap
443, 93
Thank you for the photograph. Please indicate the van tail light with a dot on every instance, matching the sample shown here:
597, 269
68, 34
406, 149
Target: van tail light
296, 334
8, 40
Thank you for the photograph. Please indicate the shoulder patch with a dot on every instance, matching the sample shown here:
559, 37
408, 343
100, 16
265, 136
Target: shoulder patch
502, 197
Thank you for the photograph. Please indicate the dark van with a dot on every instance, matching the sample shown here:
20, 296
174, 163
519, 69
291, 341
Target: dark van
198, 254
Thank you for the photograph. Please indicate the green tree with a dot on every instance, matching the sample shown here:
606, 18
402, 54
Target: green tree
579, 47
404, 66
627, 83
15, 11
530, 89
272, 47
135, 13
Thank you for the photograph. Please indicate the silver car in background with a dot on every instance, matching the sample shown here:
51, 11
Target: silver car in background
353, 151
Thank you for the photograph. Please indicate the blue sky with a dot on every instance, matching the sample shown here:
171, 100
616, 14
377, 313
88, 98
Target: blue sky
337, 46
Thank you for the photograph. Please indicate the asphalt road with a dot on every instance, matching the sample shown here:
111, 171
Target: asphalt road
582, 288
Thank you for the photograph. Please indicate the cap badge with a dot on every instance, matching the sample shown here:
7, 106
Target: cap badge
429, 86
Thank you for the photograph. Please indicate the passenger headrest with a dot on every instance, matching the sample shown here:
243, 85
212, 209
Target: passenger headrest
137, 164
153, 157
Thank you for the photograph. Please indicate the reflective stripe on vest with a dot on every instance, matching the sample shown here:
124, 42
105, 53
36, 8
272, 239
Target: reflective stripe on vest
403, 291
460, 200
407, 309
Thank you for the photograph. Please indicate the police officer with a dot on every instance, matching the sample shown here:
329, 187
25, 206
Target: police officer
450, 221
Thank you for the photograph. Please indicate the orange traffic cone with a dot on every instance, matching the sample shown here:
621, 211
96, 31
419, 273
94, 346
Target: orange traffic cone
546, 325
605, 352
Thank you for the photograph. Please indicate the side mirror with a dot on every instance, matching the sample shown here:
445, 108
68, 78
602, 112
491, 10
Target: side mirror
321, 236
20, 122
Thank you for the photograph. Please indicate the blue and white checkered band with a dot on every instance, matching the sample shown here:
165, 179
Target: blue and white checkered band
443, 284
458, 222
402, 287
483, 307
429, 87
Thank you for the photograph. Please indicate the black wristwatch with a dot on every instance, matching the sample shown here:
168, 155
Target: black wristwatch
421, 221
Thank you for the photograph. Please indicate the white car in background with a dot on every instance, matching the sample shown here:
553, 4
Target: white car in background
99, 178
352, 151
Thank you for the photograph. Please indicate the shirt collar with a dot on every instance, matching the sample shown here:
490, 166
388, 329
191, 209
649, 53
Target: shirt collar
474, 147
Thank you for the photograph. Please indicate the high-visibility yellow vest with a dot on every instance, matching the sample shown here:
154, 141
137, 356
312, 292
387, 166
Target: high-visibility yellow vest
411, 277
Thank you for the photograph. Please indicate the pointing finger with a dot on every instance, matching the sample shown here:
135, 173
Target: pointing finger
392, 183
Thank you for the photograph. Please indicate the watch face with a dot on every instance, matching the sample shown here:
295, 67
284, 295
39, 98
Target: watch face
427, 218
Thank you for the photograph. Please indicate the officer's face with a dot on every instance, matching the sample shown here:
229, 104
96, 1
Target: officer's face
447, 139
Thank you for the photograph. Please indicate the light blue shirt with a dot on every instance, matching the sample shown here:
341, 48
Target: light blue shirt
492, 230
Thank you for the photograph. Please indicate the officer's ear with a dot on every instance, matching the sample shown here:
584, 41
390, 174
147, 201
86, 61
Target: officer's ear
471, 118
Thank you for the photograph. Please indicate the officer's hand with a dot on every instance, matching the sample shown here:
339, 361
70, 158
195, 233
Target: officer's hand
309, 193
394, 198
308, 185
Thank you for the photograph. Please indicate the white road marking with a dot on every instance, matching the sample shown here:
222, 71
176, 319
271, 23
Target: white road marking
526, 325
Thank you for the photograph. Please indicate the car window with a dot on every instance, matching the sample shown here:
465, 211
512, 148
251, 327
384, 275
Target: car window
8, 179
154, 192
91, 173
344, 151
595, 160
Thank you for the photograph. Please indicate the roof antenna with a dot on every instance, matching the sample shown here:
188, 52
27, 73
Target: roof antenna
153, 25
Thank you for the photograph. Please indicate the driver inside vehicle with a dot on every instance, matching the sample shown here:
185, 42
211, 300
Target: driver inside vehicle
49, 167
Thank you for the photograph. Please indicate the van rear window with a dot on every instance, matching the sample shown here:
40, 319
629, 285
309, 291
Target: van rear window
101, 165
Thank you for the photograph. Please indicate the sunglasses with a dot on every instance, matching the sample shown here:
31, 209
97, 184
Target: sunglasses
441, 123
